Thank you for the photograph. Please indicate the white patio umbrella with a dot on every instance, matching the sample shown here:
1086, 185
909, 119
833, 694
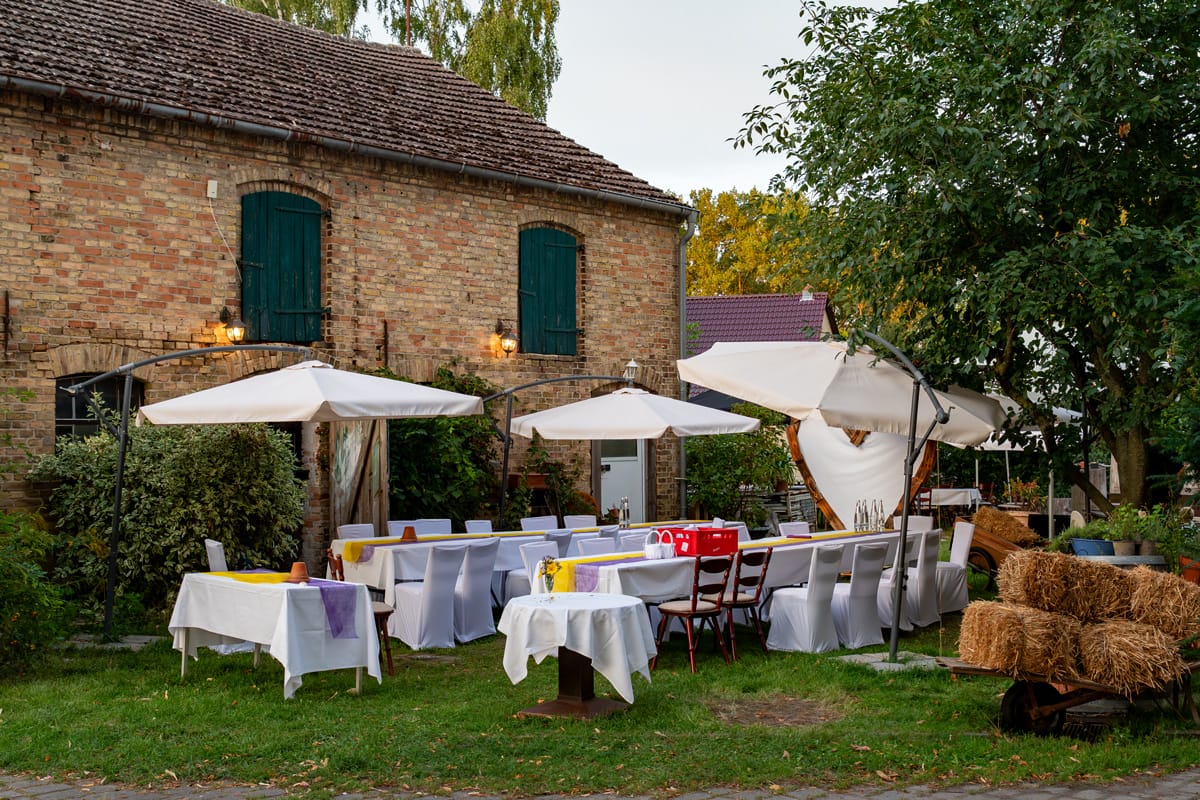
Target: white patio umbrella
630, 413
857, 391
311, 391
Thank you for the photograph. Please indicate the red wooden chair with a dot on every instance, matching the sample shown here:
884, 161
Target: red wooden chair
749, 573
710, 577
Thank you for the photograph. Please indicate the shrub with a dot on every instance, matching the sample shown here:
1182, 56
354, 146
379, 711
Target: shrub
233, 483
31, 608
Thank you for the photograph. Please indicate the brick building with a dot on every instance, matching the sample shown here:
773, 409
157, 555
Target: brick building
165, 160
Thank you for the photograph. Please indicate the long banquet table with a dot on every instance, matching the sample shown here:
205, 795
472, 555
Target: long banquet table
657, 580
309, 627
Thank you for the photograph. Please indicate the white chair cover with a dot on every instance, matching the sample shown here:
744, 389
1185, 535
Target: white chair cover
562, 538
632, 542
887, 586
801, 618
921, 593
579, 521
473, 592
357, 530
539, 523
433, 526
597, 546
916, 522
216, 556
517, 582
396, 526
799, 528
952, 575
855, 615
424, 616
479, 526
574, 548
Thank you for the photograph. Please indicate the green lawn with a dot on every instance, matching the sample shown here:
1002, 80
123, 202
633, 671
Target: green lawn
447, 723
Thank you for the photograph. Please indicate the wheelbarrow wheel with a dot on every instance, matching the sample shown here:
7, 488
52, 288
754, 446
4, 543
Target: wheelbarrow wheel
981, 561
1019, 704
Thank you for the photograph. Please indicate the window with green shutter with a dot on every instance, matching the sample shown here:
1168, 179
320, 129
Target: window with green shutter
547, 292
281, 268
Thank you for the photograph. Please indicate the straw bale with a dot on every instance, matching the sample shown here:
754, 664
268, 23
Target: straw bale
1129, 656
1089, 591
1018, 639
1005, 526
1165, 601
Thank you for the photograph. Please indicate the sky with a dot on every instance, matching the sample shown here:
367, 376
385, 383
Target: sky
659, 87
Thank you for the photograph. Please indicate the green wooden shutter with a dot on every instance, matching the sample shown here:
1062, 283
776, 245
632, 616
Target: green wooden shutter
547, 292
281, 267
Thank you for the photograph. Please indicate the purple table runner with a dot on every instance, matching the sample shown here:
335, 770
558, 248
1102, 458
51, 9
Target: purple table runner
340, 600
588, 575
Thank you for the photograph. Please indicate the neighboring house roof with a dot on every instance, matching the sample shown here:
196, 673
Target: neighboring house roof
749, 318
754, 318
218, 65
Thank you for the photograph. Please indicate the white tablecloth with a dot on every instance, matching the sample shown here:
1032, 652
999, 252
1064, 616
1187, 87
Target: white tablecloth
955, 497
394, 562
215, 609
612, 630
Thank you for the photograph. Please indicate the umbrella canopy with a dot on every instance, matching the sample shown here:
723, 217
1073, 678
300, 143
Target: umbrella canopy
630, 414
857, 391
311, 391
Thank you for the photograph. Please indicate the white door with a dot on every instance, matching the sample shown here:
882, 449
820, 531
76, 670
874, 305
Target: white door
622, 475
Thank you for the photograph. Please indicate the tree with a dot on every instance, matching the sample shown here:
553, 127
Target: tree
332, 16
1016, 180
507, 46
739, 246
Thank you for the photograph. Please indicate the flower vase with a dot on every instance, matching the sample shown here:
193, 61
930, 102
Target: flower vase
548, 582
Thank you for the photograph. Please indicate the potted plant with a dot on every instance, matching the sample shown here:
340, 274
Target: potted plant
1025, 497
1124, 529
1092, 539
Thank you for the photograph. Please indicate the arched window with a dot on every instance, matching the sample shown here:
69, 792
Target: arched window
73, 415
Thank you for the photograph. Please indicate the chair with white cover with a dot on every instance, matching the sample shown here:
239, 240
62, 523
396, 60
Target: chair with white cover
473, 593
632, 542
216, 556
797, 528
854, 607
479, 526
562, 538
596, 546
914, 548
517, 582
433, 526
575, 548
539, 523
951, 575
921, 593
574, 521
916, 522
396, 526
356, 530
800, 617
424, 616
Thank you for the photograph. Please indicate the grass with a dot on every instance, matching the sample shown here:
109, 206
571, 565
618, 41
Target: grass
447, 723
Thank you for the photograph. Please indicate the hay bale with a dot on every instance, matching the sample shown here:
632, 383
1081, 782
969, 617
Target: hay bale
1089, 591
1129, 656
1165, 601
1005, 526
1018, 639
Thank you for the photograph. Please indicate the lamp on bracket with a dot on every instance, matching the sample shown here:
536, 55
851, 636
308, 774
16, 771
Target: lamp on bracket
631, 372
807, 295
235, 329
508, 338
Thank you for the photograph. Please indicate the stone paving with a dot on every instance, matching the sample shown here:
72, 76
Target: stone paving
1178, 786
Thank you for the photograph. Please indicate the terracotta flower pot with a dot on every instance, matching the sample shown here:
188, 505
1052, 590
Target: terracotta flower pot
1147, 547
1124, 548
1189, 569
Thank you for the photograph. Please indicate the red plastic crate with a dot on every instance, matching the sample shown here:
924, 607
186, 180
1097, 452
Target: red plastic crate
705, 541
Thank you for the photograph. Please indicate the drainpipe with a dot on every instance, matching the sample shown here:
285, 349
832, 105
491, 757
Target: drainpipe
688, 233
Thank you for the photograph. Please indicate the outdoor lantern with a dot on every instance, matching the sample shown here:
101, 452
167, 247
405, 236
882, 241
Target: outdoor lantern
508, 339
235, 329
631, 371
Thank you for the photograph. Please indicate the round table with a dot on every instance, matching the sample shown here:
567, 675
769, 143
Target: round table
588, 631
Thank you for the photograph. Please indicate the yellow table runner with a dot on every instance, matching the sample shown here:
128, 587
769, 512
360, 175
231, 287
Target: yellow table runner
255, 577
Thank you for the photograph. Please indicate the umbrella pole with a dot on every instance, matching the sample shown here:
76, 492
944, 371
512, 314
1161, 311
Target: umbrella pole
901, 563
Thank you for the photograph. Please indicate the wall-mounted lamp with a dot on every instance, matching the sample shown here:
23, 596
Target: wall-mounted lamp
807, 295
508, 339
631, 371
235, 329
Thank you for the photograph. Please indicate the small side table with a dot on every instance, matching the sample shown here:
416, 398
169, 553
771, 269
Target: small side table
588, 631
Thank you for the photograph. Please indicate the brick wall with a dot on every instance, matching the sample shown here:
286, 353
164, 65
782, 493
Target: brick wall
110, 252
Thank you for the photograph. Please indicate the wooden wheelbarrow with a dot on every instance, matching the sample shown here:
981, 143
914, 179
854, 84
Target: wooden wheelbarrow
988, 552
1035, 704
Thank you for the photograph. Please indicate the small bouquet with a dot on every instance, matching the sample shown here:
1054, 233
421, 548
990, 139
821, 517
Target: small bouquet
549, 568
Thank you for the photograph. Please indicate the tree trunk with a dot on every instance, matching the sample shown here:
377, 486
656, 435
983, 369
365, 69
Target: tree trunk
1131, 453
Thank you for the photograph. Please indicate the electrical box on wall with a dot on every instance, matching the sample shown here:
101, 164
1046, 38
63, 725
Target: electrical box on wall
212, 190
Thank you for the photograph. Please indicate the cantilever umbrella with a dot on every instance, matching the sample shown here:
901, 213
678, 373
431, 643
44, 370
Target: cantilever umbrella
311, 391
630, 414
